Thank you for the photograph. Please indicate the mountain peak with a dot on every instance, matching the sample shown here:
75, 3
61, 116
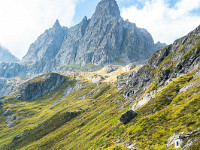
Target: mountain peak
107, 8
56, 24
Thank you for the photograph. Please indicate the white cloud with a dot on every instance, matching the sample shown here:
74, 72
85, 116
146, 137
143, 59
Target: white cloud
22, 21
164, 23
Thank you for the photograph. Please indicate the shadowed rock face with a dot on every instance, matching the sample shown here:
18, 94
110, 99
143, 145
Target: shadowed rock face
104, 39
40, 86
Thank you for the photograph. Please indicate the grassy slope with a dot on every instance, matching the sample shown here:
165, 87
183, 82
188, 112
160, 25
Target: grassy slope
97, 126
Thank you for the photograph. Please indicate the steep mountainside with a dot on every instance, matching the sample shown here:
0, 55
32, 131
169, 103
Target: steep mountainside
167, 64
47, 45
6, 56
91, 110
104, 39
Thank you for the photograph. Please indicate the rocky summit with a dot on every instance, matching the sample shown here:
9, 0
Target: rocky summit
104, 39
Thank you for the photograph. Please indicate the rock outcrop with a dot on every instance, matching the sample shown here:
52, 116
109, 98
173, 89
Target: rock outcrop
110, 68
40, 86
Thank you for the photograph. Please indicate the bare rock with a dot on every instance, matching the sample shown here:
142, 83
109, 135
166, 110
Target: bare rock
11, 118
7, 112
40, 86
128, 116
128, 67
12, 124
110, 68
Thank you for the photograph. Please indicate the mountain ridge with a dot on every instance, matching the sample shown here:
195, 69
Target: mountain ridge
104, 39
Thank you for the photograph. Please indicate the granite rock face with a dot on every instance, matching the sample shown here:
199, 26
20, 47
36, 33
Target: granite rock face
104, 39
6, 56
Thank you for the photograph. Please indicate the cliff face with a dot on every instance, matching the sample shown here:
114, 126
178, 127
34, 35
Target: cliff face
104, 39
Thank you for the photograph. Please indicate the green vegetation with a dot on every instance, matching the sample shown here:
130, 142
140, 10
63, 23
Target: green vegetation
196, 146
39, 120
166, 64
80, 68
169, 112
43, 129
117, 147
192, 52
93, 123
75, 66
120, 61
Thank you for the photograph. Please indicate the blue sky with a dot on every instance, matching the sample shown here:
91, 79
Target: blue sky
22, 21
87, 7
166, 20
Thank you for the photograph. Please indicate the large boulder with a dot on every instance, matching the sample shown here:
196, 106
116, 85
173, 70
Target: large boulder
129, 67
110, 68
128, 116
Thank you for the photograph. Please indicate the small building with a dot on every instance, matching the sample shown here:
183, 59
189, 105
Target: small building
178, 142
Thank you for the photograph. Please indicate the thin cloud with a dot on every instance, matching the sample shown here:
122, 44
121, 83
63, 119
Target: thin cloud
165, 23
22, 21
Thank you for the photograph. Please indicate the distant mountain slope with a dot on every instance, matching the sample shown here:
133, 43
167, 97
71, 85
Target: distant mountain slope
6, 56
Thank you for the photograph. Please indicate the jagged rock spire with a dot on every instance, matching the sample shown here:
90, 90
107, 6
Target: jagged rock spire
56, 24
107, 8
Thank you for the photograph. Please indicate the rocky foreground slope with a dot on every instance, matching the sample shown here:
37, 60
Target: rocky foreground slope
85, 111
104, 39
